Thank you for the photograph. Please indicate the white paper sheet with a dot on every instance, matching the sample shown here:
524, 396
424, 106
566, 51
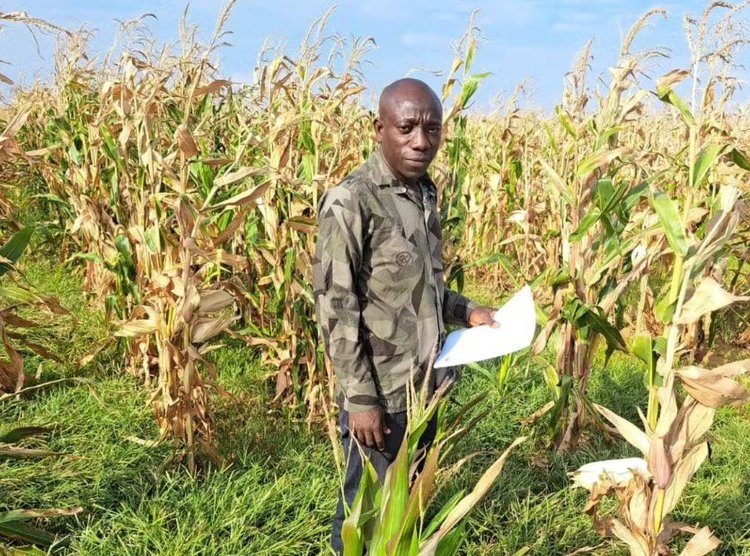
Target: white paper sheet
517, 320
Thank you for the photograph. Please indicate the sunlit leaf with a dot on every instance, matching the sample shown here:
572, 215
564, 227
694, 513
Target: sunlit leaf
671, 222
708, 297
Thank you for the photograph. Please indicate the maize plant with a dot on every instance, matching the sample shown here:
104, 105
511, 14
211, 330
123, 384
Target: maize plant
700, 226
301, 119
649, 488
672, 441
479, 178
131, 155
391, 518
605, 241
16, 295
171, 327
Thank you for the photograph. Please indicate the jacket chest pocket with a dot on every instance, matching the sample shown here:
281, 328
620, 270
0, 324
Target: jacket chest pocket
394, 257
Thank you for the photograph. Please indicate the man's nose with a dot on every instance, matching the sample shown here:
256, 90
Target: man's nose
420, 141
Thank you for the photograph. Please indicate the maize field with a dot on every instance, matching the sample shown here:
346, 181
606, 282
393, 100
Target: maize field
157, 230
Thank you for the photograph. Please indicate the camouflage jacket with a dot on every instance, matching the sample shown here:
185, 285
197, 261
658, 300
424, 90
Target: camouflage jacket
380, 296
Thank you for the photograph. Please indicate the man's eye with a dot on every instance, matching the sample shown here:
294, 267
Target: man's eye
434, 130
404, 128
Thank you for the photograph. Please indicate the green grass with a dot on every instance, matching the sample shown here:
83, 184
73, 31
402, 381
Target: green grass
277, 493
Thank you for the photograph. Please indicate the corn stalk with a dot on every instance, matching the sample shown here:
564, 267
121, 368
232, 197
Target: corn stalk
596, 189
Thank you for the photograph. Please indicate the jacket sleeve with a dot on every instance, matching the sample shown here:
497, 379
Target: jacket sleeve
457, 308
338, 260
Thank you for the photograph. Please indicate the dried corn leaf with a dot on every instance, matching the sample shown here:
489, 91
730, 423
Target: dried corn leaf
205, 329
708, 297
139, 326
185, 141
691, 424
212, 87
635, 436
638, 506
469, 501
241, 174
214, 300
635, 540
711, 388
683, 472
668, 81
704, 542
659, 463
245, 197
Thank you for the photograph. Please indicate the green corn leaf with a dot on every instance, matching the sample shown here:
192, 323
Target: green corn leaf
308, 167
566, 382
52, 198
419, 498
110, 148
607, 198
565, 121
15, 247
599, 324
12, 524
448, 545
660, 346
635, 195
558, 278
740, 159
447, 508
15, 294
606, 194
706, 159
470, 87
289, 260
671, 222
152, 236
416, 429
357, 524
351, 536
122, 244
18, 530
664, 309
13, 436
643, 349
591, 218
470, 53
670, 97
597, 160
552, 379
396, 495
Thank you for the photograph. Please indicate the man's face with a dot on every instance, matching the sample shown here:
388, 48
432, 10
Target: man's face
409, 131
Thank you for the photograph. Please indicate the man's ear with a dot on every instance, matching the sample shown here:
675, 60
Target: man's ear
377, 124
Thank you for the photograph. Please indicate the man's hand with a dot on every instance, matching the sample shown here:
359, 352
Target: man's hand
368, 427
483, 315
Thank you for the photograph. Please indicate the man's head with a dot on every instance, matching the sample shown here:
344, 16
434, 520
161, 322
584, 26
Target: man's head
409, 127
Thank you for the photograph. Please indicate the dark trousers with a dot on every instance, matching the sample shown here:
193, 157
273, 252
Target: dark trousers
379, 460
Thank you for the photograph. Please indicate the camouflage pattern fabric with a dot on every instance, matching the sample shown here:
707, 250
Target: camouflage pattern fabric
380, 295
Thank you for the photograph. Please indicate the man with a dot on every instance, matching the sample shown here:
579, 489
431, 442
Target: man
378, 277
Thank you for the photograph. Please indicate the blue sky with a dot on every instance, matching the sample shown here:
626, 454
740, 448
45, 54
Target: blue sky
522, 39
